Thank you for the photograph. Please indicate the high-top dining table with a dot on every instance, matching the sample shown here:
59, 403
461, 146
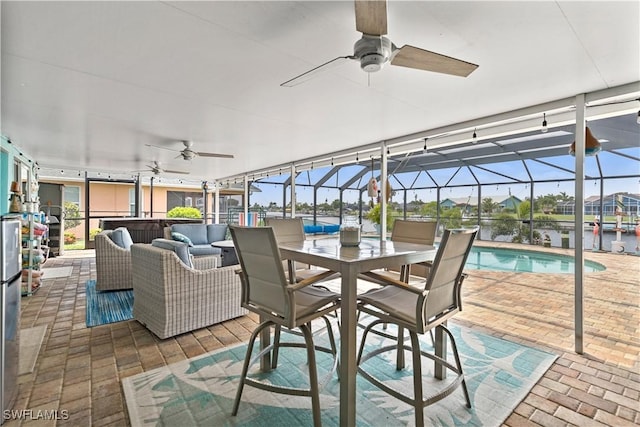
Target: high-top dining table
350, 261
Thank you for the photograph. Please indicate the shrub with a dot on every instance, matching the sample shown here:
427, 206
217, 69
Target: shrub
93, 232
374, 215
71, 215
184, 212
69, 238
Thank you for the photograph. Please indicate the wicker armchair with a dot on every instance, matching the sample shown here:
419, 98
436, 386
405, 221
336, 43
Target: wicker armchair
170, 298
113, 264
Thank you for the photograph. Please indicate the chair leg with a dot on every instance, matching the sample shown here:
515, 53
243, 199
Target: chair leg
334, 348
417, 380
313, 375
400, 352
245, 366
276, 347
454, 348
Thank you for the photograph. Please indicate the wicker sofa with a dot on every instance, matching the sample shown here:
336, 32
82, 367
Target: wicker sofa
171, 298
113, 263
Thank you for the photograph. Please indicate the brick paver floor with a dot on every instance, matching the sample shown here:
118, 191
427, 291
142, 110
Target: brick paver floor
79, 369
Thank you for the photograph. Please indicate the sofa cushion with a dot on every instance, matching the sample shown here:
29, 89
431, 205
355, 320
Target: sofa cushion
203, 250
216, 232
181, 249
121, 237
181, 238
197, 233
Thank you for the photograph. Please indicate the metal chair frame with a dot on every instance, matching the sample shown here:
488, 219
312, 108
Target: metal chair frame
267, 292
438, 301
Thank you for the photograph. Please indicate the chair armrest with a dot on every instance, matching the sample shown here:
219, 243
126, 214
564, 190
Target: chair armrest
459, 289
385, 280
310, 281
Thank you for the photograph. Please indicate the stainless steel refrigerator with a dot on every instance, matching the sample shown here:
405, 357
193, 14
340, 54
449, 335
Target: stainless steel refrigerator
10, 275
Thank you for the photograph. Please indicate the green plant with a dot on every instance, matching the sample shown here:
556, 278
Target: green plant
374, 215
93, 232
506, 224
71, 215
451, 218
184, 212
69, 238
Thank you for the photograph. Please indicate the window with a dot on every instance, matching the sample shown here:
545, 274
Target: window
72, 195
132, 202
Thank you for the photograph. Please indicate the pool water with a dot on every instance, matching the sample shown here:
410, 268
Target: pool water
518, 260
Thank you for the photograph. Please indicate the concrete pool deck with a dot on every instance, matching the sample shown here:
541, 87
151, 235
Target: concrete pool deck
79, 369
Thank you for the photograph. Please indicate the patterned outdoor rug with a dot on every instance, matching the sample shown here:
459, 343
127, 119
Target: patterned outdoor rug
107, 306
200, 391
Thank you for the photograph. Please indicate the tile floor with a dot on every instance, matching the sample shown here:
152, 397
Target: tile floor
78, 369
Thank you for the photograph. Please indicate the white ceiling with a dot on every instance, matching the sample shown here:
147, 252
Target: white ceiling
86, 85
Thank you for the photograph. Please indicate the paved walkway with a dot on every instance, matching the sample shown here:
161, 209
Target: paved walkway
79, 369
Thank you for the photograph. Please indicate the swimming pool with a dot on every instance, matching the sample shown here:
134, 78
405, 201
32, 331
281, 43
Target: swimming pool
519, 260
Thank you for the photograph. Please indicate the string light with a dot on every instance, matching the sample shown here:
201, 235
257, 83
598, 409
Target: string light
474, 138
424, 148
544, 123
332, 161
388, 152
357, 159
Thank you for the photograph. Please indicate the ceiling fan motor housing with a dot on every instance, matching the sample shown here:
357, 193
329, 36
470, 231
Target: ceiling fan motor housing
373, 52
187, 154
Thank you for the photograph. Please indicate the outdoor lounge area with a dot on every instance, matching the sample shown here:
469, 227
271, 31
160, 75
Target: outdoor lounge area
81, 369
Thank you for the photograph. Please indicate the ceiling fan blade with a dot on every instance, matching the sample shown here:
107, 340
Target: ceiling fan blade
171, 171
414, 57
226, 156
371, 17
308, 75
164, 148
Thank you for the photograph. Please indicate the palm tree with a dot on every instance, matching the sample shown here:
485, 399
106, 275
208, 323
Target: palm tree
488, 205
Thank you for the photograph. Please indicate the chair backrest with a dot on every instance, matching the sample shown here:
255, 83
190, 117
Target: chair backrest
423, 232
286, 229
263, 279
442, 296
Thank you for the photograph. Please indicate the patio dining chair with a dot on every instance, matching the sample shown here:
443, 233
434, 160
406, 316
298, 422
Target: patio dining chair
420, 311
292, 230
408, 231
267, 292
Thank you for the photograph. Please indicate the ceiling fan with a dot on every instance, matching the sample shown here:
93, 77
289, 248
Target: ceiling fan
374, 50
188, 154
157, 169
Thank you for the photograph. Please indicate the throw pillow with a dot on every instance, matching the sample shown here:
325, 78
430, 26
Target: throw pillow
181, 238
121, 237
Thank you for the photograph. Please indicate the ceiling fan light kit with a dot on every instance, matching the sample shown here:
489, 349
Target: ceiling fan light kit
373, 52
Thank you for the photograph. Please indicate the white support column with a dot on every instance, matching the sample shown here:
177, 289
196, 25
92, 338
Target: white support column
245, 202
216, 204
383, 192
293, 190
578, 224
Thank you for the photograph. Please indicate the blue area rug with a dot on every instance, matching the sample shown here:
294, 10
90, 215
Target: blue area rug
107, 306
200, 391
